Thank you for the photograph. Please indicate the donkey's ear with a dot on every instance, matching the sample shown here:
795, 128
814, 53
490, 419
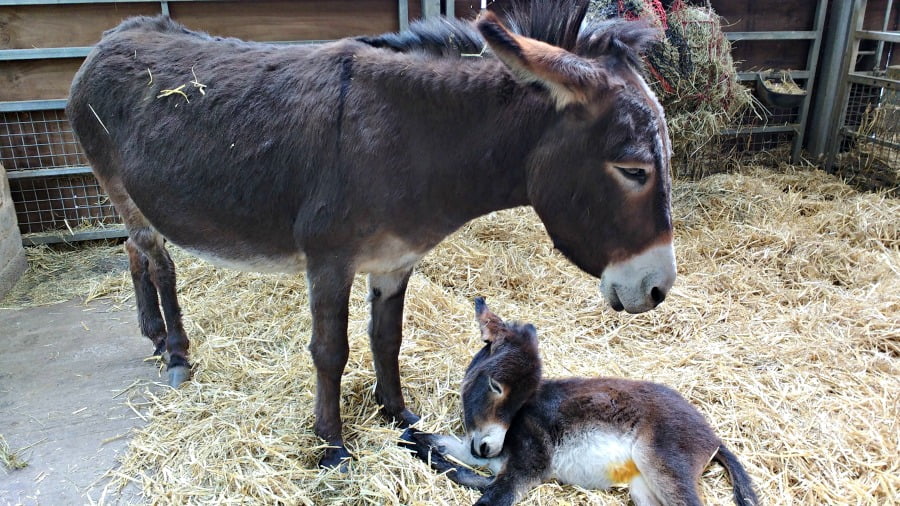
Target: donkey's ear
489, 323
568, 77
625, 40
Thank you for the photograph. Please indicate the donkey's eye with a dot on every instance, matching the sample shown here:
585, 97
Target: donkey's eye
635, 174
494, 386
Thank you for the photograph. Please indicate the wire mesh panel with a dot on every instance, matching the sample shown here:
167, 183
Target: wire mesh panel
38, 140
870, 141
51, 185
72, 203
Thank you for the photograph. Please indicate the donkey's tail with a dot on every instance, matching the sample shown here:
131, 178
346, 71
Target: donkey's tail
744, 495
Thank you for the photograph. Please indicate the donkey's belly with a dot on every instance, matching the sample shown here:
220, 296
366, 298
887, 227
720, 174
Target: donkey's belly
291, 264
384, 255
594, 459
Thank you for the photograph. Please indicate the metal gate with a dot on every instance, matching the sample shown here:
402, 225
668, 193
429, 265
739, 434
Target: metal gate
865, 141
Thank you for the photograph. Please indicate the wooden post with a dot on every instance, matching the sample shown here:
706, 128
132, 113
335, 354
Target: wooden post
12, 254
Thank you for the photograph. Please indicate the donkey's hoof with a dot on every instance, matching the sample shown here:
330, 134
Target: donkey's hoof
178, 375
403, 419
336, 457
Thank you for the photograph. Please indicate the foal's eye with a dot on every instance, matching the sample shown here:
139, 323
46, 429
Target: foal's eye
494, 386
635, 174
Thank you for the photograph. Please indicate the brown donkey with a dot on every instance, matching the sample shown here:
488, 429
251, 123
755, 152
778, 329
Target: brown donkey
361, 155
590, 432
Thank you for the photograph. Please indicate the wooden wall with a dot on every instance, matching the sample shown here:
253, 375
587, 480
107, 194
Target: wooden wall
80, 25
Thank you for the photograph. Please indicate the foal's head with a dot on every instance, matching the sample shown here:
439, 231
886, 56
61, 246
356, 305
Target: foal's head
599, 177
500, 379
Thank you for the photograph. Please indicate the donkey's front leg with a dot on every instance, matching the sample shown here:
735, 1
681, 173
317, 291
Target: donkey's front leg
386, 294
329, 295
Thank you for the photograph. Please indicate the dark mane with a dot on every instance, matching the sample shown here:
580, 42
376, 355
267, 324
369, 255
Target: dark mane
556, 22
442, 37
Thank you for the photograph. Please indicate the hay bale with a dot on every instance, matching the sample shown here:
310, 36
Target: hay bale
783, 328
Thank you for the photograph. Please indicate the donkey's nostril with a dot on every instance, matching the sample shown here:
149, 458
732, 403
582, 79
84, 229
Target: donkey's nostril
657, 295
483, 449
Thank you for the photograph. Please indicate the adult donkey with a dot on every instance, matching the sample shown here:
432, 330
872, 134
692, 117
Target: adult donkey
361, 155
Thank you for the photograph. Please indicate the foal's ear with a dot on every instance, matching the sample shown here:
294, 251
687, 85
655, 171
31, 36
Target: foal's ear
569, 77
489, 323
530, 331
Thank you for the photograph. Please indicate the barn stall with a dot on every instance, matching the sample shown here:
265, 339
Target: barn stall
782, 327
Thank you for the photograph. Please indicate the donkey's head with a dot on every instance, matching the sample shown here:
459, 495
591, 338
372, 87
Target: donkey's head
599, 176
500, 379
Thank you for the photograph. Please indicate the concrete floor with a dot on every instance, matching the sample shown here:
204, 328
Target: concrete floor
67, 372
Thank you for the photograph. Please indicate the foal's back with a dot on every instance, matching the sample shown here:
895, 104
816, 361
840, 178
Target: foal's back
615, 431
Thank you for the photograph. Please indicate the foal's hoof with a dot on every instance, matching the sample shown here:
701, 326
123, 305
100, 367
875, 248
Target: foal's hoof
408, 439
412, 440
178, 375
336, 457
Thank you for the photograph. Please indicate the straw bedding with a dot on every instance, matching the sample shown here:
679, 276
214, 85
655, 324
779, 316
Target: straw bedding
783, 329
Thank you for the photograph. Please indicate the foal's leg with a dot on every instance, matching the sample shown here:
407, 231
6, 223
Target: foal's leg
386, 294
527, 460
149, 317
509, 486
162, 275
641, 494
671, 474
329, 296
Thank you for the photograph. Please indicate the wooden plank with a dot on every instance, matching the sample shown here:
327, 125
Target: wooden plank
39, 79
42, 26
775, 54
273, 20
766, 15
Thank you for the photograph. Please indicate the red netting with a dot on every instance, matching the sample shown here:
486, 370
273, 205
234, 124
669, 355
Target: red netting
651, 10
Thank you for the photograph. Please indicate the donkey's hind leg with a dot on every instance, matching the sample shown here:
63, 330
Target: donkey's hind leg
149, 317
161, 271
149, 261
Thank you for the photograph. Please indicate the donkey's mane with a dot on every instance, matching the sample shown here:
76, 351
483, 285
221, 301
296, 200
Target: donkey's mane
557, 22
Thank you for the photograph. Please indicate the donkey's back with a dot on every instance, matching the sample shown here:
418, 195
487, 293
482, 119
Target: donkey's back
211, 139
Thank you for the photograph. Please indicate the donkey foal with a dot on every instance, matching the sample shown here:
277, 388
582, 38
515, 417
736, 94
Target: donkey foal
591, 432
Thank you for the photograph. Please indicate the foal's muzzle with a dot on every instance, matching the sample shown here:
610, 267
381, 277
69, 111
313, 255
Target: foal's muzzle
487, 442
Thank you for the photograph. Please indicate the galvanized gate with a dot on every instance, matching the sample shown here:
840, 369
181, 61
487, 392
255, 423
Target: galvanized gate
865, 140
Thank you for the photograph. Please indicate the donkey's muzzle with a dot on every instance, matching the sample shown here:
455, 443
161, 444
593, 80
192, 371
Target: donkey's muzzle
640, 283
